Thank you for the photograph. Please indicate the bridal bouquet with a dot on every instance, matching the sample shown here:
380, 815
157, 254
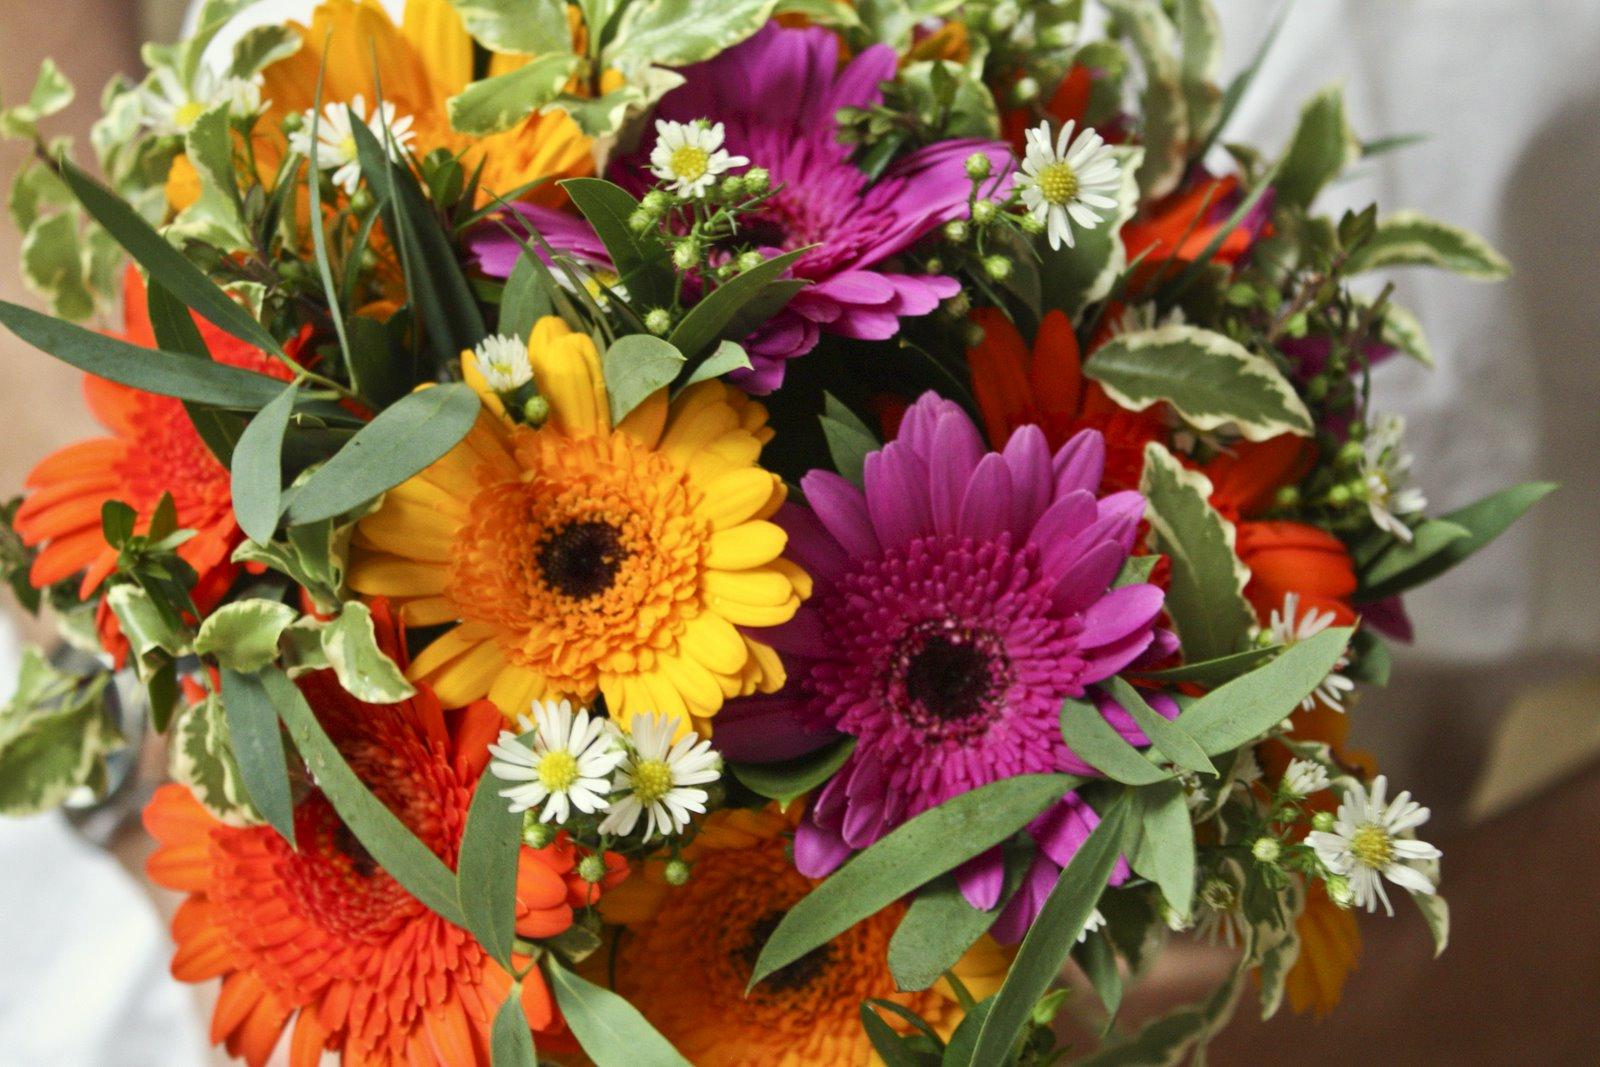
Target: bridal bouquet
726, 531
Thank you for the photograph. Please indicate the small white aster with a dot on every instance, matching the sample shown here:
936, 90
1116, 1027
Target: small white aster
689, 156
566, 768
1217, 918
336, 142
1385, 469
170, 107
1303, 777
1372, 839
504, 362
659, 779
1067, 182
1095, 922
1290, 625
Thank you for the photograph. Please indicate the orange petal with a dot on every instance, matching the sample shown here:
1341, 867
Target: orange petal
450, 1032
1056, 373
999, 376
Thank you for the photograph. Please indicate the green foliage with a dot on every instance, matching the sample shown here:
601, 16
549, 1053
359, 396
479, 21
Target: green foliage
54, 736
675, 33
1250, 705
909, 856
498, 103
243, 636
510, 1040
717, 315
531, 27
1162, 847
1322, 146
642, 262
849, 439
486, 869
1412, 239
610, 1030
788, 780
1208, 379
1206, 596
635, 366
1166, 738
1085, 273
257, 466
350, 645
201, 757
1098, 744
257, 745
1163, 108
940, 925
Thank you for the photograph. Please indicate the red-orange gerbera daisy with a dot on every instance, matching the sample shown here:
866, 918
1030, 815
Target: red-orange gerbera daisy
323, 937
153, 449
1045, 387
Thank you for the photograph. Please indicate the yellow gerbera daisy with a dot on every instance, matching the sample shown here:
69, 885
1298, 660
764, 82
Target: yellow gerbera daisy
581, 558
418, 66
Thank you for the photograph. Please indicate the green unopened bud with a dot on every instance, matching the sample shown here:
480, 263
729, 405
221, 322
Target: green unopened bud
1287, 497
958, 306
293, 121
1338, 888
641, 221
1266, 849
655, 202
1323, 821
1031, 225
1350, 454
361, 200
658, 321
535, 410
677, 872
997, 267
733, 187
1357, 488
974, 335
750, 260
686, 256
1025, 91
757, 180
955, 231
978, 166
536, 834
1317, 388
1339, 496
592, 868
984, 211
934, 265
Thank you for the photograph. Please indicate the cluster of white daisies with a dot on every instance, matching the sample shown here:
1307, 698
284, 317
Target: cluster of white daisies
582, 762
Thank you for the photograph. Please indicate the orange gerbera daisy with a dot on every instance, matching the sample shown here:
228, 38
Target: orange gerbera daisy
153, 449
582, 558
1045, 387
688, 952
418, 66
321, 936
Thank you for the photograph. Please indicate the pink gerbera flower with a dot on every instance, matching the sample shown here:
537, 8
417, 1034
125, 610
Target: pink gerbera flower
958, 599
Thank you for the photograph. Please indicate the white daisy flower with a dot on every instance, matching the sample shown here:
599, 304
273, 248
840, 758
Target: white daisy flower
689, 156
1372, 839
1218, 918
336, 142
170, 107
504, 362
1385, 469
658, 779
1095, 922
1291, 625
1066, 182
566, 768
1303, 777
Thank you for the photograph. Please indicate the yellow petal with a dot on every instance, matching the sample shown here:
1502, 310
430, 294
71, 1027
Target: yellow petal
428, 611
384, 575
700, 427
435, 32
758, 587
450, 646
566, 369
736, 496
473, 672
749, 544
698, 686
645, 422
515, 690
712, 641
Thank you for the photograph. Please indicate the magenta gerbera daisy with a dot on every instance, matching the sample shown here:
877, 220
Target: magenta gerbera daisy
959, 597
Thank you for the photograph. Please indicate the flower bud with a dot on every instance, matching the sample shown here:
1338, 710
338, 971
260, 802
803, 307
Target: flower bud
592, 868
686, 256
1030, 225
361, 200
656, 202
978, 166
984, 211
677, 872
757, 180
1323, 821
1266, 849
293, 122
641, 221
997, 267
535, 410
658, 321
1338, 888
1339, 496
750, 260
1287, 497
1350, 454
536, 834
955, 231
1025, 91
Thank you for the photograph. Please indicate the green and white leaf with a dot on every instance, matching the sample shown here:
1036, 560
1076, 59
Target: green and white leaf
1162, 104
201, 757
675, 33
53, 264
498, 103
351, 646
1412, 239
54, 737
1206, 595
1210, 380
243, 636
1323, 145
524, 27
150, 633
1403, 330
51, 93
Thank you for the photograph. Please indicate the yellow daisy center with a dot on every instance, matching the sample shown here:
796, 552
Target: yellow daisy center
1372, 846
184, 117
1058, 182
348, 149
558, 770
652, 780
689, 162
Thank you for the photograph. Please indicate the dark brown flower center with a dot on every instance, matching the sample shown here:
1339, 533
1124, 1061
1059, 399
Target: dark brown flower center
951, 681
580, 560
797, 975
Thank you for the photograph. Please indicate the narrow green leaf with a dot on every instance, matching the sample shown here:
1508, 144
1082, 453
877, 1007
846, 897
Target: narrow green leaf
635, 366
258, 467
1428, 539
848, 445
1098, 959
396, 849
1163, 848
1250, 705
1484, 520
154, 371
958, 1053
1165, 737
174, 327
510, 1039
643, 263
258, 749
708, 320
1098, 744
152, 251
1242, 81
1213, 672
940, 925
610, 1030
887, 1042
1206, 595
911, 855
486, 870
1052, 936
524, 300
404, 439
790, 779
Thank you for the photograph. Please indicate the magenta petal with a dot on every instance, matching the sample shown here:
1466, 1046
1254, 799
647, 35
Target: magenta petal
982, 878
1063, 828
1080, 463
842, 509
986, 506
954, 455
818, 852
896, 481
1107, 660
1086, 580
1025, 903
1120, 613
767, 729
1063, 520
1027, 456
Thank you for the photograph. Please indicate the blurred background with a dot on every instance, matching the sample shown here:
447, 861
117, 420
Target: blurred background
1494, 714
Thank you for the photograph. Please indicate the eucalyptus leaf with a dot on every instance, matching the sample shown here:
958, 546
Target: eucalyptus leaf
1250, 705
1165, 737
1213, 672
789, 780
258, 748
486, 870
524, 300
257, 467
611, 1031
940, 925
510, 1039
729, 356
909, 856
1098, 744
1163, 843
405, 438
635, 366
